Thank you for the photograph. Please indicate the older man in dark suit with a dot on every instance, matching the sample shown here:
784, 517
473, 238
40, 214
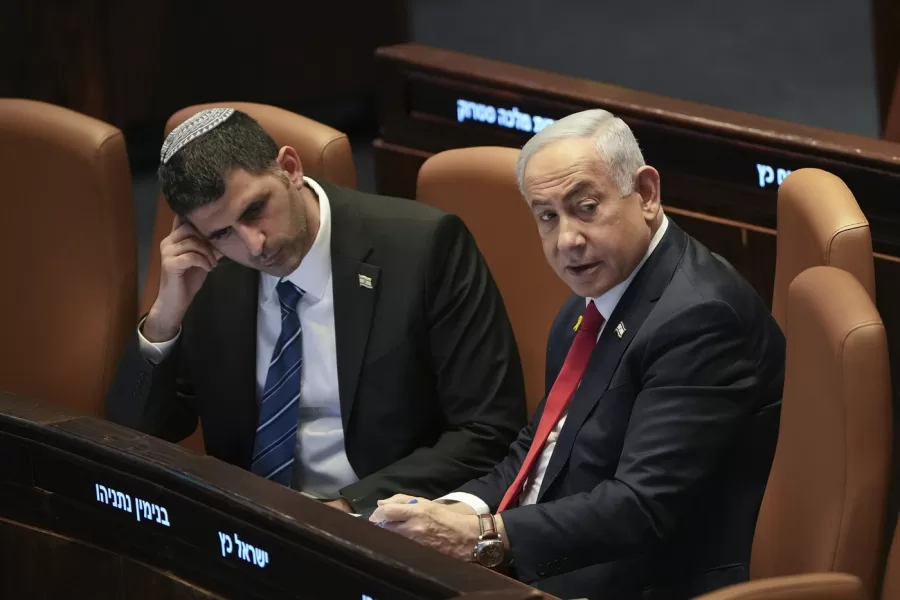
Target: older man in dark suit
348, 345
642, 472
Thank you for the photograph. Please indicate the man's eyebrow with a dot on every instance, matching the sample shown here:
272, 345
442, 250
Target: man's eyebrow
254, 204
573, 194
577, 190
246, 214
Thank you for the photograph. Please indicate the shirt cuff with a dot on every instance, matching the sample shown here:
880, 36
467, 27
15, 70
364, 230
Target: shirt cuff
155, 353
473, 502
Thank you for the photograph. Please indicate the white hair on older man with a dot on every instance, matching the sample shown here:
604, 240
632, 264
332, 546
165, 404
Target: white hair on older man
616, 145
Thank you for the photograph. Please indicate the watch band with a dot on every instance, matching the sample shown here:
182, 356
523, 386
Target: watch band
488, 526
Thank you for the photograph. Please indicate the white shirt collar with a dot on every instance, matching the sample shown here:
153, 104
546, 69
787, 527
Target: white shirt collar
606, 303
315, 269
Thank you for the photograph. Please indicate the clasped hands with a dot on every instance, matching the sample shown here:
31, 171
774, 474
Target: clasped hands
450, 528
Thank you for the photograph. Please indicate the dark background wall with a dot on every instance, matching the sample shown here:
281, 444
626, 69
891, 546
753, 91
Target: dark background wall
808, 61
135, 63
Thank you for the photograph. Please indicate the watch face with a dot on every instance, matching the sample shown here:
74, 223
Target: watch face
489, 553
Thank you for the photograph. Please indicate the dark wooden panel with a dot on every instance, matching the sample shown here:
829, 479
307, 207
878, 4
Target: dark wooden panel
54, 52
193, 519
140, 582
886, 36
38, 565
43, 565
892, 119
135, 63
713, 161
396, 169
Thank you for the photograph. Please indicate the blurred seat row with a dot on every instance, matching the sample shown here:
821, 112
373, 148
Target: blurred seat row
69, 302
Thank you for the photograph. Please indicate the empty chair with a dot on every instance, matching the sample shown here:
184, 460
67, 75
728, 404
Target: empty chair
67, 254
824, 505
479, 185
325, 152
814, 586
819, 223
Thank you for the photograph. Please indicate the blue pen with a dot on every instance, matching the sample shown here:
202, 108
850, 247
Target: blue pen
382, 523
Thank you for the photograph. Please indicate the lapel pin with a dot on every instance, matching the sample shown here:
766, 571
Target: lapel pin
620, 329
365, 281
577, 324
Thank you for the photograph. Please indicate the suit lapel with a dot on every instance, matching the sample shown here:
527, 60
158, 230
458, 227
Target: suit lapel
236, 364
631, 311
355, 288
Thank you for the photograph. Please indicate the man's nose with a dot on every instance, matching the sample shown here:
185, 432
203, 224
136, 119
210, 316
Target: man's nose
570, 236
253, 238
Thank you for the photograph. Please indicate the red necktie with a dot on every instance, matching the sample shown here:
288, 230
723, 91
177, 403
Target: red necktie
560, 394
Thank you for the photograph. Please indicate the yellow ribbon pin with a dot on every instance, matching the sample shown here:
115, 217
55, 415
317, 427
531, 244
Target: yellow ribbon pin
578, 324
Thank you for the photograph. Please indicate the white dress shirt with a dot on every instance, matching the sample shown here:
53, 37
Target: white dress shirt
321, 467
605, 304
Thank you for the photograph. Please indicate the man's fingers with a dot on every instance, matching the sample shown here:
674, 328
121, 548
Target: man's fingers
407, 529
192, 245
394, 512
396, 499
183, 262
185, 230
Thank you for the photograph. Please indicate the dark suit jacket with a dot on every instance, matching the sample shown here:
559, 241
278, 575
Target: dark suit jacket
655, 482
429, 378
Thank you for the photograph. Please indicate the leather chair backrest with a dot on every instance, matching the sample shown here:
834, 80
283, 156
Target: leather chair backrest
324, 152
814, 586
67, 254
824, 504
479, 185
890, 587
819, 223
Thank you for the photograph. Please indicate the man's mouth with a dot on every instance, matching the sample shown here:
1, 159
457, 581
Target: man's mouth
582, 268
272, 259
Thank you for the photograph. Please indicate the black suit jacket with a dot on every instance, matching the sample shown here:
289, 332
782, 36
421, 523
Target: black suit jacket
655, 482
429, 378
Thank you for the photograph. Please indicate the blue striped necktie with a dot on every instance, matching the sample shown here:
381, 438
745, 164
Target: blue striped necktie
279, 409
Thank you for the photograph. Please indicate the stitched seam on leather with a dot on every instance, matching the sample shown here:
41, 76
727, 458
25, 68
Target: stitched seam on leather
843, 513
110, 261
324, 151
845, 228
796, 586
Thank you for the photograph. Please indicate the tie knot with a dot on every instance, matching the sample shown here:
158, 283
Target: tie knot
289, 294
591, 320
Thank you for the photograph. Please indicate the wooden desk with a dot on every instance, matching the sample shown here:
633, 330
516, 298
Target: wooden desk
89, 509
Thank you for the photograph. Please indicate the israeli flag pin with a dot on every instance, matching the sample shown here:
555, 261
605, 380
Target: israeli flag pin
620, 329
365, 281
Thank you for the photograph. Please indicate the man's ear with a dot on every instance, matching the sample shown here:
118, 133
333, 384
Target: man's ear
289, 162
647, 185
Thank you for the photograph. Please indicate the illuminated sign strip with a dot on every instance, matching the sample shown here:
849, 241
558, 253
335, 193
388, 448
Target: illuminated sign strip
509, 118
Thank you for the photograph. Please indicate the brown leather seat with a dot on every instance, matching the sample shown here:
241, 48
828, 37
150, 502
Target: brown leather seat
324, 151
479, 185
824, 505
815, 586
67, 254
819, 223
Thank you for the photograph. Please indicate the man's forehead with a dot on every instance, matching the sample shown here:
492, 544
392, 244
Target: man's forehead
563, 157
566, 164
241, 188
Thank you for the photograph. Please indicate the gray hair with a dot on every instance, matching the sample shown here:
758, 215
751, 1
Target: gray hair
616, 145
